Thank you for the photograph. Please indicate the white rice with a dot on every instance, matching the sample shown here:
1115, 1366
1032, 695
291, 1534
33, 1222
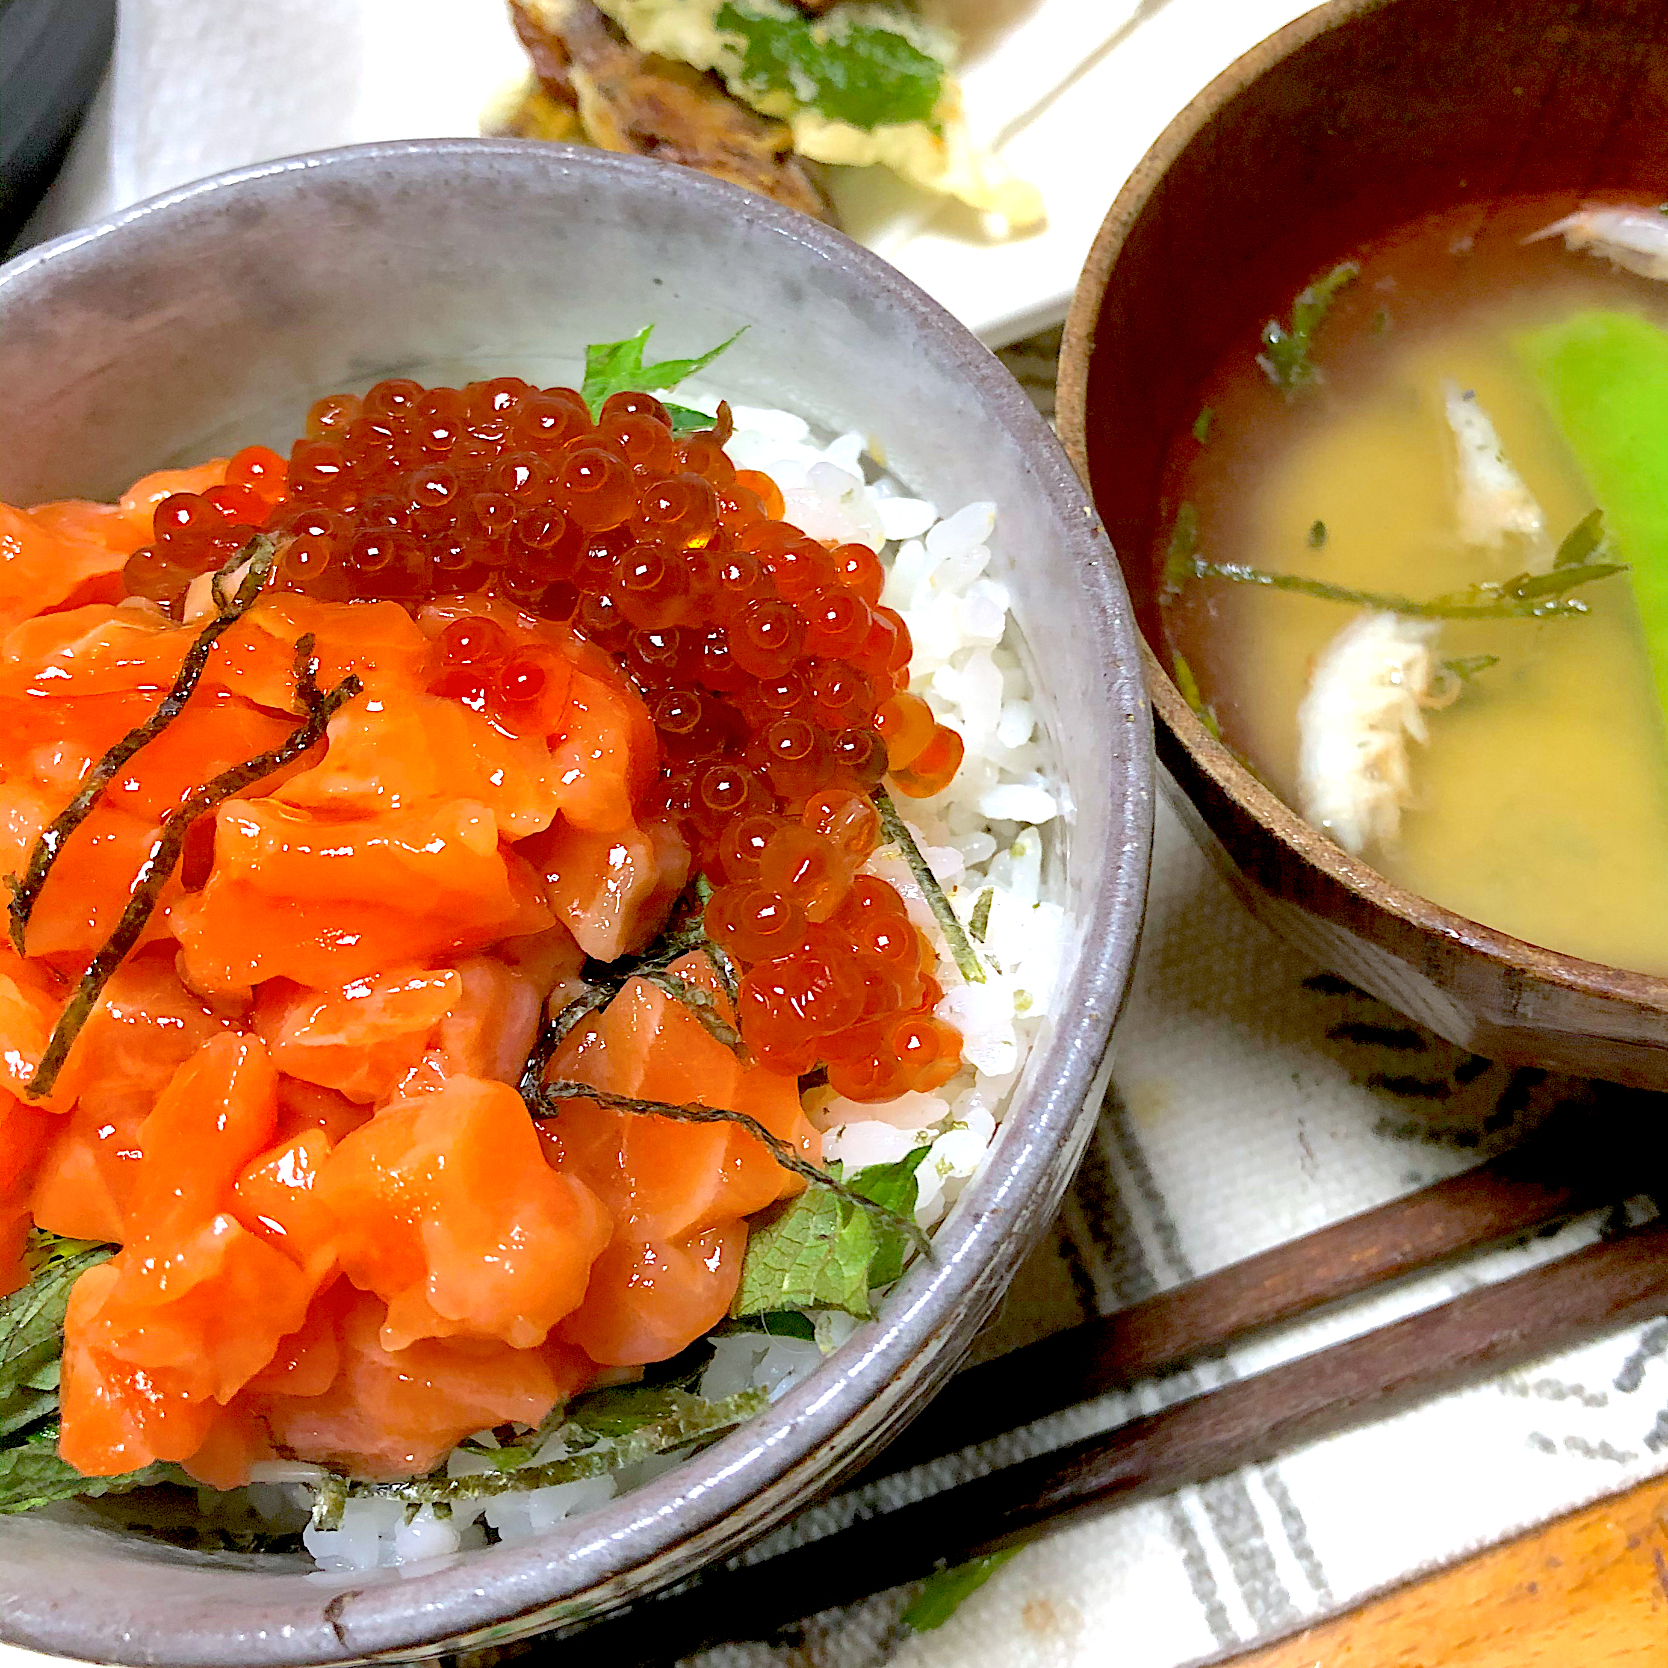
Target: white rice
985, 834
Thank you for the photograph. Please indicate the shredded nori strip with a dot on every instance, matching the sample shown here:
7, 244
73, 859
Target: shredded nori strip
544, 1103
1524, 596
960, 949
981, 914
165, 855
704, 1005
661, 1436
259, 553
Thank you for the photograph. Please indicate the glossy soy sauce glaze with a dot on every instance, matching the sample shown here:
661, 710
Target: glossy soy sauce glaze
1540, 806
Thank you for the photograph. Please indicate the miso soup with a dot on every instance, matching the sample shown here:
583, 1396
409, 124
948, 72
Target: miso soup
1460, 591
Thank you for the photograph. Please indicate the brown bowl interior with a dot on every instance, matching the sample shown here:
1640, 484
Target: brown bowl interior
1360, 115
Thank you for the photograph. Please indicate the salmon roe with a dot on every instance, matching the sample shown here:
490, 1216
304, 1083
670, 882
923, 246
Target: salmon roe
774, 674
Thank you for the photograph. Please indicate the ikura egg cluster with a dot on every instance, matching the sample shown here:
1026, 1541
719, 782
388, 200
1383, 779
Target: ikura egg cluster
772, 672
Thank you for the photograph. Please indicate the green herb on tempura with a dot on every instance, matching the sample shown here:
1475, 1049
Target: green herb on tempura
856, 64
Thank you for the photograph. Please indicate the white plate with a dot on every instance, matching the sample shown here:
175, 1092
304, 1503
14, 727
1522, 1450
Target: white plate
1071, 91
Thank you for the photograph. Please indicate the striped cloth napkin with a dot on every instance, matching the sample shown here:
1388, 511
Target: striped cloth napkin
1257, 1098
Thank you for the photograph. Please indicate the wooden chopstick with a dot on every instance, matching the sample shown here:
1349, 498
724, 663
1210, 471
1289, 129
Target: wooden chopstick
1578, 1160
1555, 1307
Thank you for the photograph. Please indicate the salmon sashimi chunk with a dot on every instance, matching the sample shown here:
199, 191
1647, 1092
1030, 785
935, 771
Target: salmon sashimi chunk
391, 1414
612, 890
91, 880
323, 901
663, 1179
447, 1210
26, 1137
96, 541
362, 1038
218, 1111
195, 1304
488, 1031
648, 1300
277, 1199
46, 559
152, 1343
604, 754
86, 1177
378, 642
143, 1031
392, 756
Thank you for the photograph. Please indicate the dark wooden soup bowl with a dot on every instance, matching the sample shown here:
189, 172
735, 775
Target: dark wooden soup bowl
1356, 117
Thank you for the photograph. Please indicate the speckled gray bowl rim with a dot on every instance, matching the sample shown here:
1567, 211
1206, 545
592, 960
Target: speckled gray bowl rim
405, 1615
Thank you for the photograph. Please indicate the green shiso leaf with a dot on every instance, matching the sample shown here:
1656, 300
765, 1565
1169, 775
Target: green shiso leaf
618, 368
822, 1252
944, 1592
31, 1475
1286, 357
847, 65
686, 419
32, 1328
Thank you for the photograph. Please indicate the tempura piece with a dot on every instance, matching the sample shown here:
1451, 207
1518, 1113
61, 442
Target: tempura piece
1366, 700
1634, 237
1495, 506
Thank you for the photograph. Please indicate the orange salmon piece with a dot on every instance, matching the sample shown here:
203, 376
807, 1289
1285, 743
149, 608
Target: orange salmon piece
114, 1416
30, 1003
218, 1111
362, 1038
206, 1312
397, 1414
613, 890
604, 755
395, 755
489, 1030
86, 1180
277, 1198
663, 1179
449, 1213
647, 1301
39, 567
548, 960
305, 1106
96, 540
91, 880
153, 1342
145, 1027
96, 650
300, 896
377, 641
27, 1135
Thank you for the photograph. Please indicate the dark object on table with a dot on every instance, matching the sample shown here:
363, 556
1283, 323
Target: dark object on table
52, 55
1358, 117
592, 86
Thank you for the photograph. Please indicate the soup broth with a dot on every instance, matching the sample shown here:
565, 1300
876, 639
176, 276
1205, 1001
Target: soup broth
1539, 805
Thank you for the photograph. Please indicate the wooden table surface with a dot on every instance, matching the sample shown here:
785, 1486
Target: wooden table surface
1588, 1591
